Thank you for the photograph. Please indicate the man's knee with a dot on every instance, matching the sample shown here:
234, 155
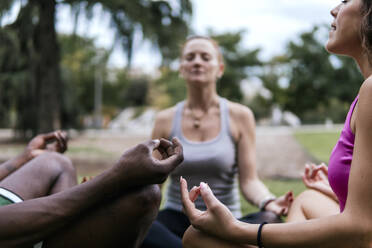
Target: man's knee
149, 198
58, 162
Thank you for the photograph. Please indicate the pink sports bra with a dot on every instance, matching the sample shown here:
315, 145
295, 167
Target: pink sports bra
340, 160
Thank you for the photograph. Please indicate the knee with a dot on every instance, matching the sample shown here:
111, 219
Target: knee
306, 195
59, 163
304, 201
148, 200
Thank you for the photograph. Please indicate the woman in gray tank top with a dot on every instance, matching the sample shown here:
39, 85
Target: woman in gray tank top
218, 139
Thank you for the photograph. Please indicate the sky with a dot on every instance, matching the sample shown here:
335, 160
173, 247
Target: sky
269, 25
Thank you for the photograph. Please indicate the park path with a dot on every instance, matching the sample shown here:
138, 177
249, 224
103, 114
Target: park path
279, 155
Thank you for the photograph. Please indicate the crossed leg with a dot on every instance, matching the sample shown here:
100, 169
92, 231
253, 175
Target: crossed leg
194, 238
44, 175
312, 204
119, 222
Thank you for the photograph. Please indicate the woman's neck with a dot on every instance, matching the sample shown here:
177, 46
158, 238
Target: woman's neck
364, 65
201, 97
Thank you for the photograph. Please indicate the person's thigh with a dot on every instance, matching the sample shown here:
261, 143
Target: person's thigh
312, 204
176, 221
121, 222
46, 174
167, 230
159, 236
196, 239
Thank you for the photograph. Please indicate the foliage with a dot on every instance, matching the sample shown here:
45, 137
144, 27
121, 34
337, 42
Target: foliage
163, 23
81, 64
319, 85
126, 90
30, 61
168, 89
238, 62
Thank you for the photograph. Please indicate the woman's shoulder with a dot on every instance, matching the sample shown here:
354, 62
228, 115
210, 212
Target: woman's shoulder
163, 123
365, 94
239, 111
166, 114
366, 86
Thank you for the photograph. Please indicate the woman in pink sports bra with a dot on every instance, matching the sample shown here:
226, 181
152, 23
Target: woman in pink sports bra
347, 219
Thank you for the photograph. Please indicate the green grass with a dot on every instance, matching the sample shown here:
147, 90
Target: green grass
318, 144
278, 187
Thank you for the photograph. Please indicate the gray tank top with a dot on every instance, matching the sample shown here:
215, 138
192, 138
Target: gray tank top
212, 162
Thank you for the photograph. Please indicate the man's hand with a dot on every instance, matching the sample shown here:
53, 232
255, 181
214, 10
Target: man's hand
54, 141
217, 220
141, 167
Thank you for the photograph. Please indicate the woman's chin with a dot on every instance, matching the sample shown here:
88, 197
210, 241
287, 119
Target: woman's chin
330, 47
197, 80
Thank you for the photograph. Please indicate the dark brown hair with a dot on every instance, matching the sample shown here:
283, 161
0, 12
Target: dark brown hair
366, 28
214, 43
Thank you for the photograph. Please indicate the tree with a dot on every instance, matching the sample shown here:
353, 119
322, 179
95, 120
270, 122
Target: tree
33, 38
319, 85
238, 62
33, 35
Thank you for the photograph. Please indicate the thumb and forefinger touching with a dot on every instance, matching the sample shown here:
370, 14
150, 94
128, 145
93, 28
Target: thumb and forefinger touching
172, 153
188, 198
59, 137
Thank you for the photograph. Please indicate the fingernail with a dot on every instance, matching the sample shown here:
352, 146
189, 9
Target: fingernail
203, 186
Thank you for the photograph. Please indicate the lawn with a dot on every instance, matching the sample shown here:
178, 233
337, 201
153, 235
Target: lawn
277, 187
317, 143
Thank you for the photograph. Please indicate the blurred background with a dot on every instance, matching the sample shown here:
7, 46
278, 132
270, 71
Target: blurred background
80, 64
103, 68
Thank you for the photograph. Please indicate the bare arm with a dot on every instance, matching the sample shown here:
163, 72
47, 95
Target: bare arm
33, 220
251, 186
55, 141
162, 128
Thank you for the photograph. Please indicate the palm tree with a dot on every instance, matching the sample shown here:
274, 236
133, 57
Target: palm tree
35, 73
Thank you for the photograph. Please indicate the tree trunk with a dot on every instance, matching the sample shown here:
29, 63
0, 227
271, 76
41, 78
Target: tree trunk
47, 72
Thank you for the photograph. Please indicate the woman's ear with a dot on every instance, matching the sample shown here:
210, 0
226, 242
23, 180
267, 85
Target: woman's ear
221, 70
